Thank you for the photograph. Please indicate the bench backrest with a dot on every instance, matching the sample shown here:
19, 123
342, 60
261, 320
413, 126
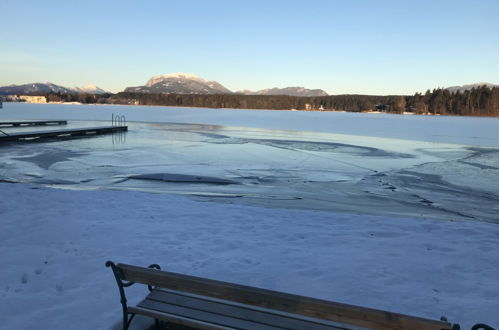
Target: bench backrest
290, 303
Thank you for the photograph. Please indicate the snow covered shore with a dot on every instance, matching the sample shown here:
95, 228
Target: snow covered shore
54, 244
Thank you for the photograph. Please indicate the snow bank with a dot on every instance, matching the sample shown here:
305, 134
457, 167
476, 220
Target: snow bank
55, 243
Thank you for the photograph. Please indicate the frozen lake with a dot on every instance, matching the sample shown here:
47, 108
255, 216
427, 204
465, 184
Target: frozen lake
419, 166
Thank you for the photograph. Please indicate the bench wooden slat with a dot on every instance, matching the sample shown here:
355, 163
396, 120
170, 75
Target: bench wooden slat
317, 308
177, 319
247, 312
208, 317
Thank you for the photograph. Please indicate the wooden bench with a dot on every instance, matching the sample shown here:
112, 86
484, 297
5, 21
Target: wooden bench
208, 304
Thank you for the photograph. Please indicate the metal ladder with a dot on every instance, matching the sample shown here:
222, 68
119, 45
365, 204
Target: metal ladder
118, 120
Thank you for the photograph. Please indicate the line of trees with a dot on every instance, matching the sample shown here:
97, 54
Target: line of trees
480, 101
354, 103
77, 97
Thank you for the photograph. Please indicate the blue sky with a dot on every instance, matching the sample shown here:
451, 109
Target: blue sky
354, 47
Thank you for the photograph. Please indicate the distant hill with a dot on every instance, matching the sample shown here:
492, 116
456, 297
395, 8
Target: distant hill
33, 89
90, 89
290, 91
463, 88
40, 88
179, 83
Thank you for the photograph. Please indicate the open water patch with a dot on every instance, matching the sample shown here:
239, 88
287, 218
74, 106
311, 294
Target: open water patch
46, 157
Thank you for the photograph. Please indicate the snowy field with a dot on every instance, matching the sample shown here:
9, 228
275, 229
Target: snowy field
368, 243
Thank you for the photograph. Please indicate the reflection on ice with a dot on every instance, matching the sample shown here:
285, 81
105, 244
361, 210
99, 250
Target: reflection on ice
272, 168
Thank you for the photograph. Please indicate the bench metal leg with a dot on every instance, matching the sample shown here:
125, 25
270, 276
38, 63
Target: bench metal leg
126, 321
121, 286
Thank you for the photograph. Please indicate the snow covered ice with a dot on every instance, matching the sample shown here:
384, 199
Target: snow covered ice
373, 210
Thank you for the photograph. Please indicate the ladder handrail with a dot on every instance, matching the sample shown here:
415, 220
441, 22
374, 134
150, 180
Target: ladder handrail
118, 120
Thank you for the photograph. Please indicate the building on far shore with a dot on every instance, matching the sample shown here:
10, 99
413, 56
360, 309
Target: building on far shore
26, 98
33, 99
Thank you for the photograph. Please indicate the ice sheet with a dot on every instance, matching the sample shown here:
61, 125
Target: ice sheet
272, 168
476, 131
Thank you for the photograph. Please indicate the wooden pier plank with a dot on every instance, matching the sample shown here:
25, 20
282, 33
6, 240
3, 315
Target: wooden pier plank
61, 133
32, 123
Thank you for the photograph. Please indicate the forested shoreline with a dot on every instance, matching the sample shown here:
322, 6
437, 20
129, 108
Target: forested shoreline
480, 101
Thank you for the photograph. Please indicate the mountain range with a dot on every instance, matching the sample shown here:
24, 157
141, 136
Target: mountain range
183, 83
35, 88
291, 91
463, 88
186, 83
179, 83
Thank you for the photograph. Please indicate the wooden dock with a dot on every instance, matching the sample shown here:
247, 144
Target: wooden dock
32, 123
60, 133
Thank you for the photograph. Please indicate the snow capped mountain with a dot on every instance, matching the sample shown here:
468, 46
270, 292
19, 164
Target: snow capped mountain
90, 89
178, 75
33, 88
291, 91
245, 92
463, 88
48, 87
187, 83
179, 83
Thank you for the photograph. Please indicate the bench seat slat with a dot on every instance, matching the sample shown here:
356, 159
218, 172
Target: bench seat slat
204, 316
246, 312
317, 308
177, 319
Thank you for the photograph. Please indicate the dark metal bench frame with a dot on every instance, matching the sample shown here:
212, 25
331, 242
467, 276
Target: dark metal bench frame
254, 298
118, 275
